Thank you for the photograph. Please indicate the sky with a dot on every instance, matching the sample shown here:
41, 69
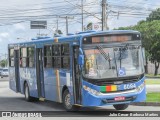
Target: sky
15, 17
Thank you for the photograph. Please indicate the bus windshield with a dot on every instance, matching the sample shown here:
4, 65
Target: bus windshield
103, 62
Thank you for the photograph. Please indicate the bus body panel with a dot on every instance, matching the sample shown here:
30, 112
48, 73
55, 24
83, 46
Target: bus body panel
29, 75
53, 86
49, 84
12, 81
93, 100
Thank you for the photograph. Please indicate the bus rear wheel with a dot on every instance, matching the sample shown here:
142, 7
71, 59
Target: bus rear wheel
121, 106
26, 93
67, 102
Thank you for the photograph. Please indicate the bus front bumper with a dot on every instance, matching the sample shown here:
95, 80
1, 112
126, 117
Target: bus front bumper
109, 98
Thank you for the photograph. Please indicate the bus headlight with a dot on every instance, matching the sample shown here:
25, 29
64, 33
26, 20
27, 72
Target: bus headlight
92, 91
139, 88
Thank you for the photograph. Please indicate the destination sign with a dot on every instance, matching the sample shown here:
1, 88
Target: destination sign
110, 38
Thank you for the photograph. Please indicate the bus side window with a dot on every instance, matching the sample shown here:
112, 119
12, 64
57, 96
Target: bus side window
65, 49
56, 50
48, 56
30, 57
56, 62
23, 57
11, 57
56, 55
65, 56
20, 61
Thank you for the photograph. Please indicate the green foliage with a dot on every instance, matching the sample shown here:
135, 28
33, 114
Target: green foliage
88, 27
155, 15
151, 38
58, 32
3, 63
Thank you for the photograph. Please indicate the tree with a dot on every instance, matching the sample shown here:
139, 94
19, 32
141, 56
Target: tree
3, 63
89, 26
155, 15
58, 32
150, 31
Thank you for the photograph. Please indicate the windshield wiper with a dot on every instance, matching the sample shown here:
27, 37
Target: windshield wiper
122, 55
100, 48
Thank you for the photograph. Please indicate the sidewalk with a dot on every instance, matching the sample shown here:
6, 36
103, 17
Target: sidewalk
153, 88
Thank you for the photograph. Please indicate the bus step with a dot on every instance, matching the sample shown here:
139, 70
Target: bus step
41, 99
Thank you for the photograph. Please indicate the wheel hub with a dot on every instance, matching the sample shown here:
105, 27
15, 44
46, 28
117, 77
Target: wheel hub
68, 101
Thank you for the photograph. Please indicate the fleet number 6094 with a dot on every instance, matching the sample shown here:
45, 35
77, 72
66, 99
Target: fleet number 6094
129, 86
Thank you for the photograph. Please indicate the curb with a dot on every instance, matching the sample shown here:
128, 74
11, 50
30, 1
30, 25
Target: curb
152, 77
4, 81
146, 104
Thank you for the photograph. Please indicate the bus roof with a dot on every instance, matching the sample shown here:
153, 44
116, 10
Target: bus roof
76, 36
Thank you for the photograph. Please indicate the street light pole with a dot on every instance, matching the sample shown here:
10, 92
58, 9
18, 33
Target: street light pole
82, 13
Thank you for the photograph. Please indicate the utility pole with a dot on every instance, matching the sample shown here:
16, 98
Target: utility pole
5, 59
67, 17
57, 25
104, 15
82, 13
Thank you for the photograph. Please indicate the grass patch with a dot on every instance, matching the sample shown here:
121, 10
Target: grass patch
153, 97
152, 75
153, 82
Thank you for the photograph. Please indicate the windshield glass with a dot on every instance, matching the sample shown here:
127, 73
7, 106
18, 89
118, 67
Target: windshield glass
102, 62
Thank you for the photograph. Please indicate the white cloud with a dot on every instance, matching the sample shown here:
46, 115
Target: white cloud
4, 35
19, 26
129, 20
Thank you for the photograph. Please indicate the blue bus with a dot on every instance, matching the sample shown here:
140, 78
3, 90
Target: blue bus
86, 69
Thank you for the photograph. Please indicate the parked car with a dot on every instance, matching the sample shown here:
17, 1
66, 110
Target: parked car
4, 72
1, 69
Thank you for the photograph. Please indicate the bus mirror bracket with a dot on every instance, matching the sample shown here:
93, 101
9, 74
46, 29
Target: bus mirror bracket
81, 57
81, 60
80, 51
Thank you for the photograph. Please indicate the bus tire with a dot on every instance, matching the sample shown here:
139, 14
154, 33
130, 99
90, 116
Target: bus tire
66, 99
26, 93
121, 106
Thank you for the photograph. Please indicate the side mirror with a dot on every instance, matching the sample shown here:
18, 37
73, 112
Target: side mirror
81, 59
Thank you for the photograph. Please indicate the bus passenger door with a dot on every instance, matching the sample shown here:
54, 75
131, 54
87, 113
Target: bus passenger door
76, 76
39, 72
17, 79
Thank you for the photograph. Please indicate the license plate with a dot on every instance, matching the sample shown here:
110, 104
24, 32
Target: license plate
119, 98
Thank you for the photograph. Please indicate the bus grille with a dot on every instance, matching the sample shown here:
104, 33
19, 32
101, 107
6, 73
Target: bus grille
117, 81
101, 83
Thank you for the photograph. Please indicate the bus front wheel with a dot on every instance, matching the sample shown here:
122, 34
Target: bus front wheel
121, 106
67, 101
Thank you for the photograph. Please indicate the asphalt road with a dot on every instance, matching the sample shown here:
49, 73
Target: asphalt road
11, 101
